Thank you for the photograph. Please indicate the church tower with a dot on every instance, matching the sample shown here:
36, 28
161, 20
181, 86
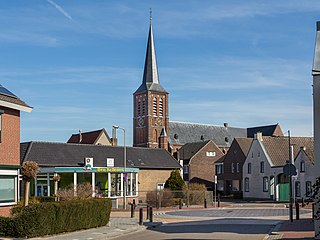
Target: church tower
150, 103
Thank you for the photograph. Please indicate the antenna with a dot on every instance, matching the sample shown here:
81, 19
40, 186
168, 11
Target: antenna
150, 14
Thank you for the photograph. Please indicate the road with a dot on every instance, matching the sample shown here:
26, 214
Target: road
237, 229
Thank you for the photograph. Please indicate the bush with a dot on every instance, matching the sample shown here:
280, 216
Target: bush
166, 197
56, 217
84, 191
195, 193
175, 181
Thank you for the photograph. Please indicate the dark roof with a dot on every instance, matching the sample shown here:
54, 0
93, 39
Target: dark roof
269, 130
182, 133
188, 150
11, 98
88, 137
150, 80
278, 147
72, 155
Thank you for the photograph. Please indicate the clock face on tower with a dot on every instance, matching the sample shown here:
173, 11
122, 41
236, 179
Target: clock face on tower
140, 121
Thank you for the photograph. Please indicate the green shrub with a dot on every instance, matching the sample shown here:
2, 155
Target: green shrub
175, 181
165, 196
57, 217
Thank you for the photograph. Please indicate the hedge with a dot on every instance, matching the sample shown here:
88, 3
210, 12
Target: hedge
56, 217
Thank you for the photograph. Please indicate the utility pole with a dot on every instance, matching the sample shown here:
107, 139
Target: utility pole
290, 180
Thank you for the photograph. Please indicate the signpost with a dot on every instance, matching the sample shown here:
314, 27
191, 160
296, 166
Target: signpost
290, 170
215, 189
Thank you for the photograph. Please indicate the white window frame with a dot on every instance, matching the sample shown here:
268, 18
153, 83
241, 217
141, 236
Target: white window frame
14, 174
210, 154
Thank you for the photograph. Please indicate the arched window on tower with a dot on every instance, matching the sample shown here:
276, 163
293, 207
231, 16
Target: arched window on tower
143, 107
161, 107
154, 106
139, 108
155, 135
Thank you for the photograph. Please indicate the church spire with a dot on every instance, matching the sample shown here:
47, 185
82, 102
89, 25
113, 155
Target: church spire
150, 75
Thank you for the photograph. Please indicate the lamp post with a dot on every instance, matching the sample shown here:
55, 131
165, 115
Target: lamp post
124, 164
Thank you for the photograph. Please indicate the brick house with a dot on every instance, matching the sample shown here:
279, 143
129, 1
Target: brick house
198, 162
10, 107
229, 170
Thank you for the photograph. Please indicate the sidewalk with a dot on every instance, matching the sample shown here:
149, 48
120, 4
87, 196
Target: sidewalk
298, 229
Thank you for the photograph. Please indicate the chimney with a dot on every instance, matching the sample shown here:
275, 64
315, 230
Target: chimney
114, 140
80, 136
226, 125
258, 136
303, 148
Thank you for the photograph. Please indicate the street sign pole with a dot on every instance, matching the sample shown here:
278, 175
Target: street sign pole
290, 181
215, 189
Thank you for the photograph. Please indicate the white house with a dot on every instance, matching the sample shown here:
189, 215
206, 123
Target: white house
263, 176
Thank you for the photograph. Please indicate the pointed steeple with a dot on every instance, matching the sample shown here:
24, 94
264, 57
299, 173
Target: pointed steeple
316, 58
150, 75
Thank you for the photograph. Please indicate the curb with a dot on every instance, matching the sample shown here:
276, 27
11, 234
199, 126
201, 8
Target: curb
273, 234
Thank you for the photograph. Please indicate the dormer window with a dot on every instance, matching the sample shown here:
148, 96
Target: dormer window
226, 139
202, 137
175, 136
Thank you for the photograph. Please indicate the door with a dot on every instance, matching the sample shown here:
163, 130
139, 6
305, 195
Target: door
284, 187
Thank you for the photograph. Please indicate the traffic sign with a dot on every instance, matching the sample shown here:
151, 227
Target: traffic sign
289, 170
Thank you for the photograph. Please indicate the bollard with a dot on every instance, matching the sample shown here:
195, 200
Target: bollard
297, 211
148, 212
302, 203
219, 200
205, 203
313, 216
140, 216
134, 203
132, 210
180, 203
151, 214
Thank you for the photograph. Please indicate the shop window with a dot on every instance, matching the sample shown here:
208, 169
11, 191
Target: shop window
265, 184
7, 189
115, 179
246, 184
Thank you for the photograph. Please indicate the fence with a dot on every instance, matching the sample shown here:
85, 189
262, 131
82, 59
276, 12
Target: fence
167, 198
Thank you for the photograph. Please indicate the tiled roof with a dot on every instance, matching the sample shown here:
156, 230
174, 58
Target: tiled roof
278, 147
182, 133
72, 155
269, 130
88, 137
188, 150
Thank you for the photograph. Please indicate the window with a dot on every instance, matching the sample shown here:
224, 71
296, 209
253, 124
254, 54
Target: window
160, 107
302, 166
258, 153
154, 106
249, 168
308, 189
265, 184
211, 154
219, 169
7, 189
235, 185
246, 184
252, 155
298, 189
143, 107
185, 169
238, 168
232, 167
139, 108
0, 124
261, 167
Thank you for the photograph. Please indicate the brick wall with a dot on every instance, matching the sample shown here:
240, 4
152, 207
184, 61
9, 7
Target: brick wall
10, 139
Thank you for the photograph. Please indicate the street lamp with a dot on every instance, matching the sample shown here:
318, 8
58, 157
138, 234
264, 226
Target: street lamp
124, 164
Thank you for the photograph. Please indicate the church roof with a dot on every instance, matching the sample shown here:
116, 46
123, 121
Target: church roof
48, 154
150, 80
181, 133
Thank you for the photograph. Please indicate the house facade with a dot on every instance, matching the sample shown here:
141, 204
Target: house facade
96, 137
263, 176
144, 171
229, 170
10, 107
198, 162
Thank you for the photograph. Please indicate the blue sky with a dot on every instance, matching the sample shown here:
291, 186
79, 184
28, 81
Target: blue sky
78, 62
